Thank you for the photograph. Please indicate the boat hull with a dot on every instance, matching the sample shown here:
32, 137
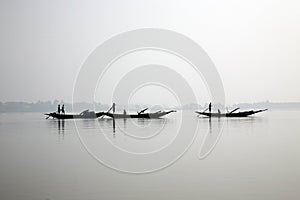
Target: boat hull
238, 114
141, 115
116, 116
70, 116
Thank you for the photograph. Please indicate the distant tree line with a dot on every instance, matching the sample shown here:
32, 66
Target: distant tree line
50, 106
47, 106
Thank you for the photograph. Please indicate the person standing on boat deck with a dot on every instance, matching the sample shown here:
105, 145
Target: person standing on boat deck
114, 107
209, 107
63, 109
58, 109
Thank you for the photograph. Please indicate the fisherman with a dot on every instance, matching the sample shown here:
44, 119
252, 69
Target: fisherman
114, 107
63, 109
209, 107
58, 109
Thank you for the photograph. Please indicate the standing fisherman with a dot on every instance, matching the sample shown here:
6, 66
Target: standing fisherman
114, 107
209, 107
58, 109
63, 109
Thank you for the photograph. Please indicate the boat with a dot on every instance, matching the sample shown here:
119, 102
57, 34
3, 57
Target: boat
231, 114
93, 115
153, 115
83, 115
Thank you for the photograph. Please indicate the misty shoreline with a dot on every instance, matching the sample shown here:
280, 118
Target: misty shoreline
49, 106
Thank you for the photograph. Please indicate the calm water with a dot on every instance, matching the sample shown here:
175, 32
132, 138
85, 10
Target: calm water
255, 158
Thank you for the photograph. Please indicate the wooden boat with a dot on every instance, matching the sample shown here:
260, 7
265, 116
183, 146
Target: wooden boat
92, 115
154, 115
231, 114
83, 115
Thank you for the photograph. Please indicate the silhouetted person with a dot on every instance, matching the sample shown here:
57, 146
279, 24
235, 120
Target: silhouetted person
58, 109
219, 111
124, 112
114, 107
209, 107
63, 109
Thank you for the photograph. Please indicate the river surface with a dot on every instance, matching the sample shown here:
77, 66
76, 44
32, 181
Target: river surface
181, 156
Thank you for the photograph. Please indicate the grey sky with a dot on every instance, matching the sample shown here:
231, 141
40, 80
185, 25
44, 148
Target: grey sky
254, 44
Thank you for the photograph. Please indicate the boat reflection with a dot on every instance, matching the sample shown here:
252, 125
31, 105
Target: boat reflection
215, 127
61, 127
136, 128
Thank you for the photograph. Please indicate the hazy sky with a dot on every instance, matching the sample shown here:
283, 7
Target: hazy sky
255, 45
